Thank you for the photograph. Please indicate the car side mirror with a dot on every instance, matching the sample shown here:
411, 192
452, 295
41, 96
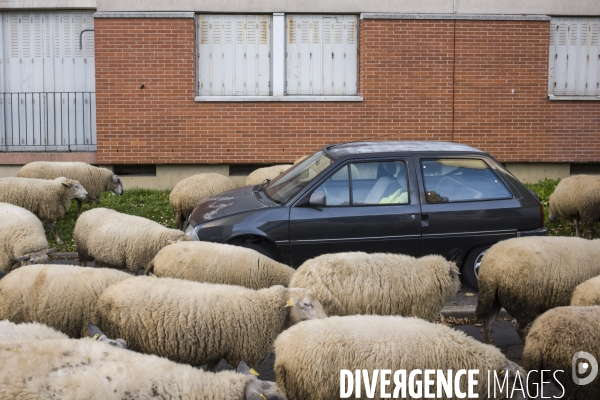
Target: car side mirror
317, 200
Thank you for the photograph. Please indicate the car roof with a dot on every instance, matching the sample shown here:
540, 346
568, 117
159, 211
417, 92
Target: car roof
406, 146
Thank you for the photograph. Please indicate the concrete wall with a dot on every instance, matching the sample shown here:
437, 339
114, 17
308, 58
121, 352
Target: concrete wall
167, 176
532, 172
47, 4
549, 7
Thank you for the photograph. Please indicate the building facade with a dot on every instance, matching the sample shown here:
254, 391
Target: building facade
195, 86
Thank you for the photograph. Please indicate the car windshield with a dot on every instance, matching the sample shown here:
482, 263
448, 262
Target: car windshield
286, 185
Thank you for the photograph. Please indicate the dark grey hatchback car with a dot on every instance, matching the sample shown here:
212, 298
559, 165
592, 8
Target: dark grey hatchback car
408, 197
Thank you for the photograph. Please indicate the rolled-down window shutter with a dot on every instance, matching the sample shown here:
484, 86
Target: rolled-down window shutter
234, 55
321, 55
574, 68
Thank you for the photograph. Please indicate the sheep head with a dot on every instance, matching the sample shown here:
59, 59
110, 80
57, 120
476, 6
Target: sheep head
115, 185
257, 389
303, 306
74, 188
37, 257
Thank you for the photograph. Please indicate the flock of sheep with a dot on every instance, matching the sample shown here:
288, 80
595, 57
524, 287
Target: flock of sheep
199, 303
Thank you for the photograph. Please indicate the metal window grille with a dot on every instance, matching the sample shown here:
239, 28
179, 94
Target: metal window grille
585, 169
135, 169
245, 169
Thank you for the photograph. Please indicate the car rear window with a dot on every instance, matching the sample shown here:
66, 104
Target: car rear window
450, 180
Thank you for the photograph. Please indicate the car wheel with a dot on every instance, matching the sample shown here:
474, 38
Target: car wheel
471, 264
260, 245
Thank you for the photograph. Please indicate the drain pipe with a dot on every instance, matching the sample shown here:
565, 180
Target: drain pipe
80, 34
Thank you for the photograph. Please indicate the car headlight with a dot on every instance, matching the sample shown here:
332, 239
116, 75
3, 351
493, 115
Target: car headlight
191, 232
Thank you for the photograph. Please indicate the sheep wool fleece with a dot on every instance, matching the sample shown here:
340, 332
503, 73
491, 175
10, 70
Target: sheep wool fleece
220, 263
310, 355
61, 296
587, 293
87, 369
11, 332
555, 337
118, 240
95, 180
191, 322
21, 233
553, 266
384, 284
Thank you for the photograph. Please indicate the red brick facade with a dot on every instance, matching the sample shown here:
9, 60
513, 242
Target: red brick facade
482, 83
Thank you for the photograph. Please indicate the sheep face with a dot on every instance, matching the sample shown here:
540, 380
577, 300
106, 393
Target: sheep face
259, 390
76, 189
115, 185
303, 306
38, 257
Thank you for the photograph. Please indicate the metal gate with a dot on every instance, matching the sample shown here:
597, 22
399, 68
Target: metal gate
47, 81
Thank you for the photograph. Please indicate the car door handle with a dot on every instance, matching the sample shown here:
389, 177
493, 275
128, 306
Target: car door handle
424, 220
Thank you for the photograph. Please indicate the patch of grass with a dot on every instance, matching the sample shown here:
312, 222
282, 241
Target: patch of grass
151, 204
154, 205
560, 227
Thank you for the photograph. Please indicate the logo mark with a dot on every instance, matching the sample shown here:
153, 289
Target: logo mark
582, 367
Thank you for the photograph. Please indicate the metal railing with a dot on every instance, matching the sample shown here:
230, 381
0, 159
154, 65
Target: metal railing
48, 121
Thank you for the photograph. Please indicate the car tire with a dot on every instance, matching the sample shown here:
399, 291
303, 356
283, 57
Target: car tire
471, 264
260, 245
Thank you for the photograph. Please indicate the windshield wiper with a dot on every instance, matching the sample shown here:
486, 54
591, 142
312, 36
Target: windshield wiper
263, 184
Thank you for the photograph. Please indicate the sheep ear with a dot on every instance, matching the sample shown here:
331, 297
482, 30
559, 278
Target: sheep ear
50, 251
290, 303
22, 258
115, 179
94, 331
245, 369
454, 273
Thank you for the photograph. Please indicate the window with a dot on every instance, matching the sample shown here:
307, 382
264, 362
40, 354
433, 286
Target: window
47, 81
574, 57
372, 183
453, 180
277, 57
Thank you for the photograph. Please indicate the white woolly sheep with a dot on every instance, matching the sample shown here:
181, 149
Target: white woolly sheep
95, 180
530, 275
554, 340
88, 369
199, 323
48, 200
309, 357
61, 296
587, 293
116, 240
11, 332
219, 263
258, 176
22, 238
188, 192
577, 198
385, 284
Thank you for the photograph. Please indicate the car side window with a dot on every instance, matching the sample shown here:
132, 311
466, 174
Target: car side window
381, 182
450, 180
336, 189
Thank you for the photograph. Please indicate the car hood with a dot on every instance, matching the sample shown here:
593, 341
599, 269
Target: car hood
227, 203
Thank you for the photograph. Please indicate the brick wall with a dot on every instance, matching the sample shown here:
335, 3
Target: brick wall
407, 70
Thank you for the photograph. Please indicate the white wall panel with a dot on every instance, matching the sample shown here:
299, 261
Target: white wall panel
47, 80
234, 55
574, 63
321, 55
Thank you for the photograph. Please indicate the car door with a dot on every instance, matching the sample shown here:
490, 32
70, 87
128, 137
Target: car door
371, 206
464, 204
